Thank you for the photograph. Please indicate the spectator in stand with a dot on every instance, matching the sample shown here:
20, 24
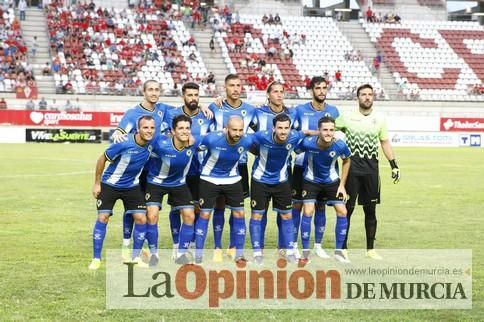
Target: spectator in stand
265, 19
68, 107
212, 45
270, 20
338, 76
30, 105
67, 88
211, 78
54, 106
3, 104
369, 15
43, 104
22, 7
271, 52
277, 19
35, 46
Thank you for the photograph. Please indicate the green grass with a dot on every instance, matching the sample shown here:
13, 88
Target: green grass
46, 222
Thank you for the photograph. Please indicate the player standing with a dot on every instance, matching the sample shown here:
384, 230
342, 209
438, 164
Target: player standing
322, 183
270, 180
201, 125
220, 176
365, 130
120, 180
307, 117
231, 106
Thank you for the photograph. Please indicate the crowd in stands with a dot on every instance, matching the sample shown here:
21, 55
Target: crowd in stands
54, 105
390, 17
15, 69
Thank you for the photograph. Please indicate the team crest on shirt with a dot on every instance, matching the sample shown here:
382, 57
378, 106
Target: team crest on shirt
240, 149
327, 115
200, 121
147, 196
150, 148
288, 147
332, 154
99, 202
189, 153
243, 112
160, 114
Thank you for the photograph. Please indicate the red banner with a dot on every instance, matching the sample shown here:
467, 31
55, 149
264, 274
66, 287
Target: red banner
27, 92
462, 124
59, 118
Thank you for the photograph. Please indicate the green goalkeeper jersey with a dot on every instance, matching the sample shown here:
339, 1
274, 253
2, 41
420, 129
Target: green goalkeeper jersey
363, 135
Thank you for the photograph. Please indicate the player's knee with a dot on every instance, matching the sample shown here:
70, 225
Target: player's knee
103, 217
205, 215
238, 213
297, 206
140, 219
341, 211
256, 216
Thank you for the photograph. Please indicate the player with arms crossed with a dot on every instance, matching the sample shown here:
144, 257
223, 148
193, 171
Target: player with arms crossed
220, 176
270, 180
120, 180
365, 130
167, 172
322, 183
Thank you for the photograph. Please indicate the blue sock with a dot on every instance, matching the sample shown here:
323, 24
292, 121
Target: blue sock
340, 231
98, 234
263, 231
139, 235
152, 237
186, 234
287, 230
218, 226
200, 235
128, 222
175, 223
280, 234
296, 220
232, 231
197, 215
239, 235
255, 228
305, 231
319, 225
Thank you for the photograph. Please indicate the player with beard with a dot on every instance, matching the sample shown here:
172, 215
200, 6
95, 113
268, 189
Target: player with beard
200, 127
365, 131
220, 177
231, 106
307, 117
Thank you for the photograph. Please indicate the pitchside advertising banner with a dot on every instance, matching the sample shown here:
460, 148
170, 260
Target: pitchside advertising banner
461, 124
435, 139
60, 118
63, 135
405, 279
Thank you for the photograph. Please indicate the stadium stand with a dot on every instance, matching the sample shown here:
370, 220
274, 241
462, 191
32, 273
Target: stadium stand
431, 3
15, 69
317, 47
107, 51
436, 60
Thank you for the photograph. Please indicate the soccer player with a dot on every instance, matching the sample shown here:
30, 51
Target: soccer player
148, 106
167, 172
270, 180
322, 183
201, 125
307, 116
365, 130
120, 180
263, 121
220, 176
231, 106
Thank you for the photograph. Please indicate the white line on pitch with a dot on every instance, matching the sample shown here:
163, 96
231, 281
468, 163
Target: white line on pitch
60, 174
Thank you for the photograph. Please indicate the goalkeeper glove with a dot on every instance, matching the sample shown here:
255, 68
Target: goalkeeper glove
395, 171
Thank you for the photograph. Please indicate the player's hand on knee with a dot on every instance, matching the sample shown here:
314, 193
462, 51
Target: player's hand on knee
395, 171
341, 194
118, 137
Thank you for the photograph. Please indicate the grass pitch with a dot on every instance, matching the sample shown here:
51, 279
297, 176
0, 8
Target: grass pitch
47, 213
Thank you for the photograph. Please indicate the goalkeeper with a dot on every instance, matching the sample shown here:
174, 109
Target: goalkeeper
365, 130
